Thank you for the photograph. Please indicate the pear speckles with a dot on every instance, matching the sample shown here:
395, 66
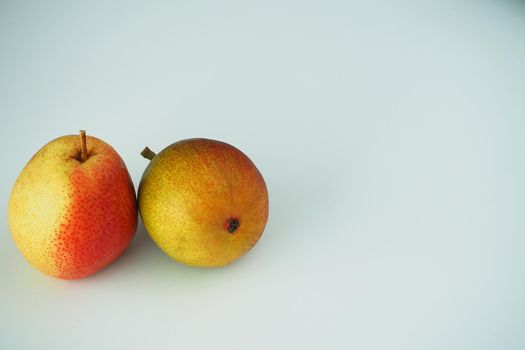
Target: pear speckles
71, 219
192, 196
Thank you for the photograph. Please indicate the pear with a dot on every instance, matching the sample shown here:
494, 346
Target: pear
203, 202
72, 210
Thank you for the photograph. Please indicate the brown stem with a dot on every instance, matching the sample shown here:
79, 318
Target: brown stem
147, 153
83, 146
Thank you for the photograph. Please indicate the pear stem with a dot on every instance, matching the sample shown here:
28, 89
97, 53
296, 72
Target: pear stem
83, 146
147, 153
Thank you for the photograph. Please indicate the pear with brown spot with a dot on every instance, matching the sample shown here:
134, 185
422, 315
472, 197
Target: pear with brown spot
203, 202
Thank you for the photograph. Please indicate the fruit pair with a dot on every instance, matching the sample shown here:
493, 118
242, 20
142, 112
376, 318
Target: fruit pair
73, 210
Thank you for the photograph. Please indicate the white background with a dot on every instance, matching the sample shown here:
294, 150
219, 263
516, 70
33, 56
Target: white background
391, 135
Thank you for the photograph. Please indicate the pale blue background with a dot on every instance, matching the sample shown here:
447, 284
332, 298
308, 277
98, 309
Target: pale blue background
391, 135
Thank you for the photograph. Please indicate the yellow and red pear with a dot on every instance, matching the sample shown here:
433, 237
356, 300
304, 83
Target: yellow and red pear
72, 210
203, 202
